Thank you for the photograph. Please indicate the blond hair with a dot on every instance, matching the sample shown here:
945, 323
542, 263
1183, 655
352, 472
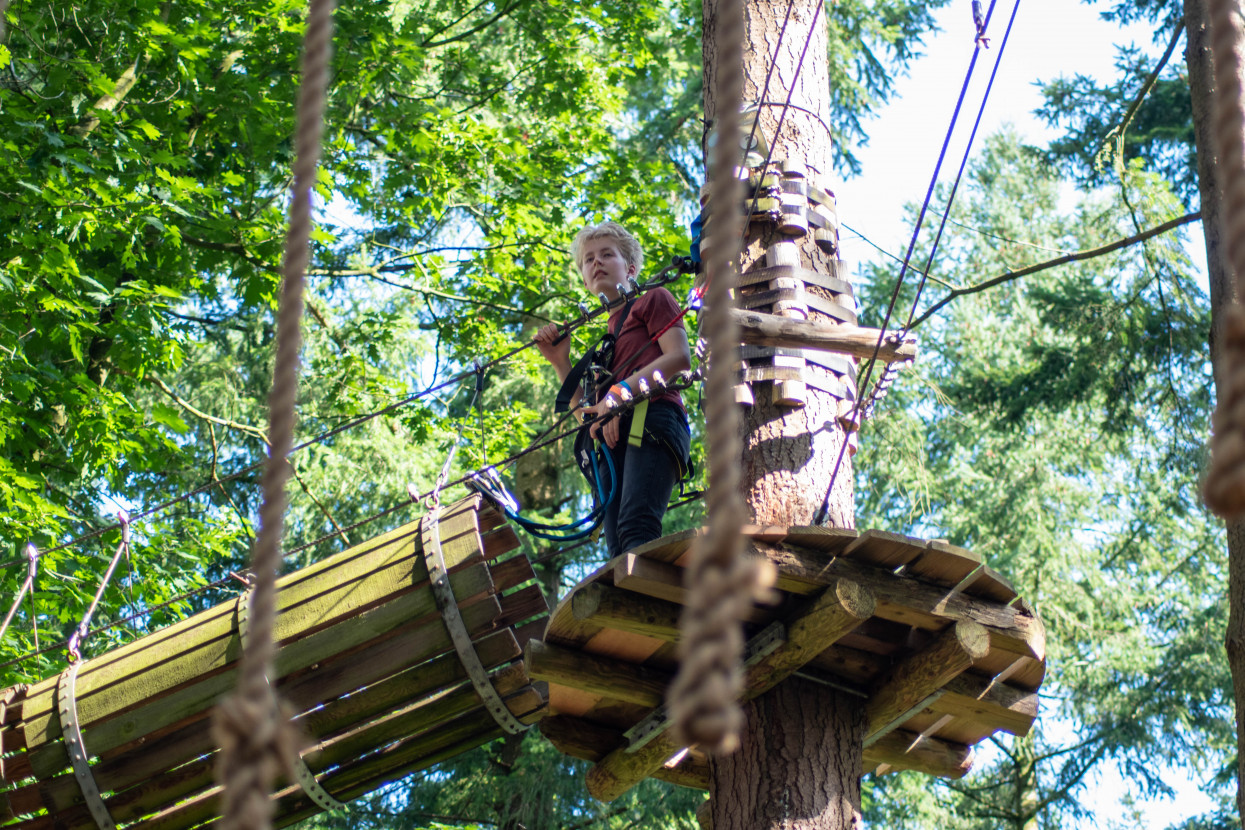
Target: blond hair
628, 245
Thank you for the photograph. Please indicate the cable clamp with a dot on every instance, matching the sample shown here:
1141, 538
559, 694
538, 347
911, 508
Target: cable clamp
488, 482
434, 498
32, 560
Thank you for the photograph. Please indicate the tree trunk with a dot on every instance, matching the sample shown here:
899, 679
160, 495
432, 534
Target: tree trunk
1222, 296
799, 764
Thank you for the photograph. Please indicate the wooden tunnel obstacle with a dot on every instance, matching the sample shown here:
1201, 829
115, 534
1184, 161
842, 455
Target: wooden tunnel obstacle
364, 661
941, 649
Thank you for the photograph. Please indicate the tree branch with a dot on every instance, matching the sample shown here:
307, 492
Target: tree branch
1079, 256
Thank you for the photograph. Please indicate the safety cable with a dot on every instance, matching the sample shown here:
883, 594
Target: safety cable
84, 626
32, 558
867, 374
661, 278
955, 185
756, 194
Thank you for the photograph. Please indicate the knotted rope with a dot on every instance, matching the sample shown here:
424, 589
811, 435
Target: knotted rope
254, 734
1225, 482
721, 582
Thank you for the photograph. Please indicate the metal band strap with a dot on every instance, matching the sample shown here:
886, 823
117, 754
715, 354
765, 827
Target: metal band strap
826, 383
302, 773
72, 734
805, 275
836, 363
439, 579
813, 192
827, 307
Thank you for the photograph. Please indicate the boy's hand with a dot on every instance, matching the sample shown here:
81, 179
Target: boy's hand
604, 427
555, 353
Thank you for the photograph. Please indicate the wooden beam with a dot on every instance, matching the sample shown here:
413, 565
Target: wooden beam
662, 581
768, 330
912, 683
982, 699
591, 673
905, 750
626, 611
904, 599
839, 609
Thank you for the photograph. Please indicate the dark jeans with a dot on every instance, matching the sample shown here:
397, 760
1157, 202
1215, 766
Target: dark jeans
648, 474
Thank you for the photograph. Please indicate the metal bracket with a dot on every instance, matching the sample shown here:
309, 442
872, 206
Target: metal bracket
765, 643
72, 734
302, 773
439, 579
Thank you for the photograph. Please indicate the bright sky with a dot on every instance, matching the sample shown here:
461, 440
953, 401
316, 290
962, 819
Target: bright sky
1050, 38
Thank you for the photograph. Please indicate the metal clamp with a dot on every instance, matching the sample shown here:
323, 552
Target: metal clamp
439, 579
766, 642
72, 734
302, 773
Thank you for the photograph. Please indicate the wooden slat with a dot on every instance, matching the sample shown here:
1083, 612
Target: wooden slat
219, 676
662, 581
183, 653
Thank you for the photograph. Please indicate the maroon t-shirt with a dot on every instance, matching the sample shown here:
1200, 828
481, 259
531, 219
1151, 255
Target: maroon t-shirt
649, 314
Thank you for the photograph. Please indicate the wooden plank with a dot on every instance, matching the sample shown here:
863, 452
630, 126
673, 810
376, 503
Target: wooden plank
758, 328
919, 677
150, 757
595, 675
987, 701
198, 776
160, 662
945, 564
887, 550
836, 611
627, 611
219, 676
904, 750
581, 738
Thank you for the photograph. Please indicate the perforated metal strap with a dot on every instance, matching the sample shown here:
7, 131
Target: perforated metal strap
302, 773
72, 735
439, 579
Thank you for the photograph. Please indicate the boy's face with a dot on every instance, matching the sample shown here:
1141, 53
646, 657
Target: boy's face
604, 266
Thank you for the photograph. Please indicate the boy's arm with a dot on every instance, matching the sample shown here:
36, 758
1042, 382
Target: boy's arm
676, 356
558, 354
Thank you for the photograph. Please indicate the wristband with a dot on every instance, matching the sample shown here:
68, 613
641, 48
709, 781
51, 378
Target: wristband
621, 390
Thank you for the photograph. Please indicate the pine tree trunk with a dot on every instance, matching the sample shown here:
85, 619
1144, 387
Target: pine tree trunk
800, 762
1222, 295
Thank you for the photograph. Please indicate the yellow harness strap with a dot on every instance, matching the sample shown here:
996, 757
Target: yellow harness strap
637, 424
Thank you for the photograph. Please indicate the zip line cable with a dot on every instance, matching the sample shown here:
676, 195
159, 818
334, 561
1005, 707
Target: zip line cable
929, 260
916, 231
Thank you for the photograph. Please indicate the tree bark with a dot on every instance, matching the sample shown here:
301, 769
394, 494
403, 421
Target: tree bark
1222, 296
799, 764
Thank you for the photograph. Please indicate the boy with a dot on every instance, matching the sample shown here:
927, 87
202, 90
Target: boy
606, 256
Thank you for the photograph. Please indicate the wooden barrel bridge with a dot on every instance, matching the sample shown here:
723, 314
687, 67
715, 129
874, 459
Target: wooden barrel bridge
939, 648
365, 661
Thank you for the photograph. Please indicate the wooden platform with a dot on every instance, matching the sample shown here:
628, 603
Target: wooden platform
939, 647
364, 659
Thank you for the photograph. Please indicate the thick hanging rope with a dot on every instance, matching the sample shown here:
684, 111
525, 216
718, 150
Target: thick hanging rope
255, 736
1225, 482
721, 582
